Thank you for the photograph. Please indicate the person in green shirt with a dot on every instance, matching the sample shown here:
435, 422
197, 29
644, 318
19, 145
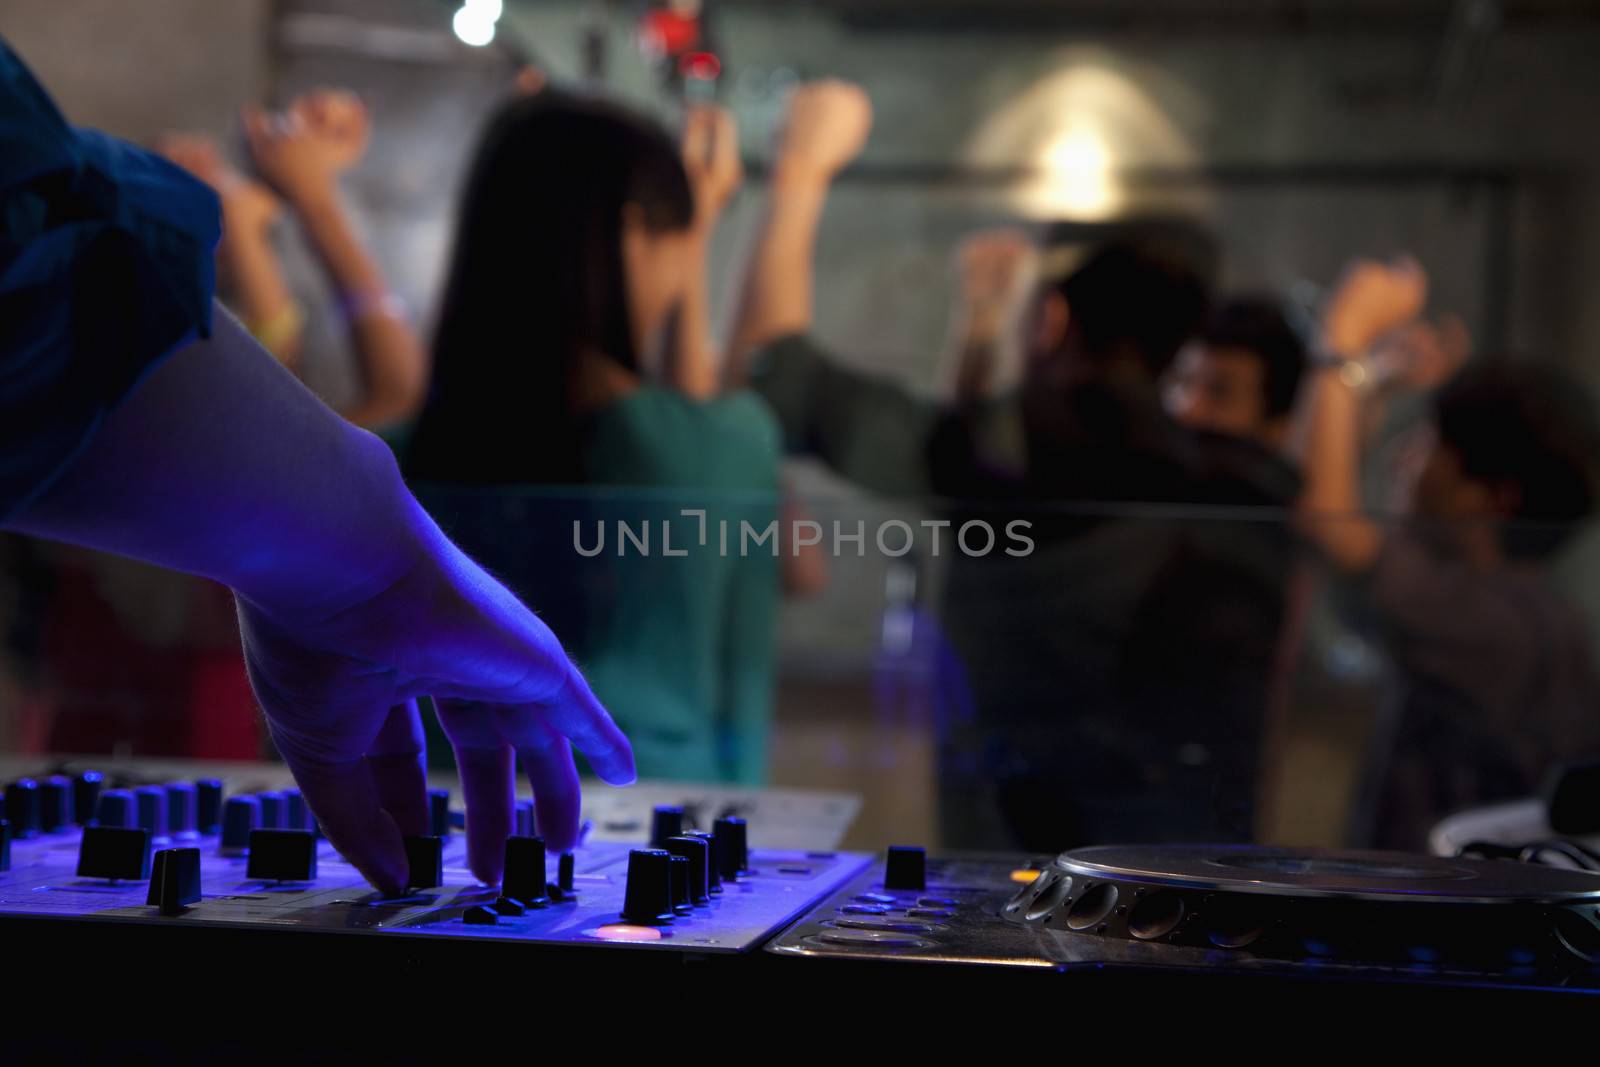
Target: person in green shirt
581, 252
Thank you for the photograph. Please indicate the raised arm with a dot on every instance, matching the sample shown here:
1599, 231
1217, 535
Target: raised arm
711, 158
250, 264
992, 266
826, 128
1370, 301
302, 153
351, 601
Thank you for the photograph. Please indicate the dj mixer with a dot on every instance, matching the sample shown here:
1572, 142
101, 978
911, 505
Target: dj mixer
672, 905
186, 853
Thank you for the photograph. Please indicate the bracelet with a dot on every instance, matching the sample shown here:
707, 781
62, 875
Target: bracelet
357, 306
1353, 371
278, 332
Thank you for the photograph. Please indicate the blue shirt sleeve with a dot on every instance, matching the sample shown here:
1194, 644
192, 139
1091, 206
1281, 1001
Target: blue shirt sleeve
106, 267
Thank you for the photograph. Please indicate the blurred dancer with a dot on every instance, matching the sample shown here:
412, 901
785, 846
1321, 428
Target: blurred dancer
574, 352
1499, 685
1117, 671
298, 156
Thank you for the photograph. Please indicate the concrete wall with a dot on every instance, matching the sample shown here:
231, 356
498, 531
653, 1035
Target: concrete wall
1261, 103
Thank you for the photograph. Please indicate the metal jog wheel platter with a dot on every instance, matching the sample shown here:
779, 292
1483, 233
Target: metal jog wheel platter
1315, 905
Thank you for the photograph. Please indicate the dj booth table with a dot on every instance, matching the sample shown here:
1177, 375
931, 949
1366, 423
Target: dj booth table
794, 927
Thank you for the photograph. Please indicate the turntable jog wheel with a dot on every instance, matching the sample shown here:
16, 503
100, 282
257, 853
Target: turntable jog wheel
1309, 904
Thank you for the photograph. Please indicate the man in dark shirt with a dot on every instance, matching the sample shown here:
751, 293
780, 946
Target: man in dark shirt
1117, 672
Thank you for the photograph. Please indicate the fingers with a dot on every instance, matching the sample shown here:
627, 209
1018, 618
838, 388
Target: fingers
345, 801
724, 132
487, 765
576, 713
697, 136
547, 757
397, 761
257, 128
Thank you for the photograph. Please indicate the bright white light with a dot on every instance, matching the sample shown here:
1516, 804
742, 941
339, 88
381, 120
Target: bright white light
1077, 166
489, 9
1082, 127
473, 26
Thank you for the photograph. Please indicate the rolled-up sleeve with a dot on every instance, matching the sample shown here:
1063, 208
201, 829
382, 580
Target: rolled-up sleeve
106, 267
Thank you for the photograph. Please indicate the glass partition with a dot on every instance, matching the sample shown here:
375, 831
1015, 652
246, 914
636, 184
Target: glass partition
979, 675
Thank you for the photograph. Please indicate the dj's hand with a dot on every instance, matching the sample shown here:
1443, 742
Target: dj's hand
339, 691
826, 128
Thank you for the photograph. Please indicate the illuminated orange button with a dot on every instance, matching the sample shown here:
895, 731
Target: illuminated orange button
626, 932
1024, 876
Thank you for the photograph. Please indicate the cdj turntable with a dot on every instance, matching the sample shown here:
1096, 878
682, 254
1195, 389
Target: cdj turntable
1222, 910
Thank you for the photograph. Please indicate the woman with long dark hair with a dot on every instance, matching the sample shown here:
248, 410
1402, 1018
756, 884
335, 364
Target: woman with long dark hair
573, 355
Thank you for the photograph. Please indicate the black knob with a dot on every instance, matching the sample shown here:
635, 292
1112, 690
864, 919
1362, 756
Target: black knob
5, 845
480, 915
151, 809
55, 803
733, 848
697, 853
565, 869
681, 900
524, 873
183, 809
282, 856
272, 810
22, 807
648, 899
208, 806
425, 860
295, 816
115, 810
114, 853
665, 821
439, 812
86, 788
241, 816
175, 880
524, 820
713, 872
905, 867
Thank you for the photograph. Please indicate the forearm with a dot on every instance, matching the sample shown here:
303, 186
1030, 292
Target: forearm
1330, 511
222, 464
690, 363
777, 299
391, 359
261, 293
978, 347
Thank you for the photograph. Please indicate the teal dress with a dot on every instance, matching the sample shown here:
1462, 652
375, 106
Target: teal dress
678, 635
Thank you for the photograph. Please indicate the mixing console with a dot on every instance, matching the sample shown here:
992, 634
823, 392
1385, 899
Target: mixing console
185, 854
